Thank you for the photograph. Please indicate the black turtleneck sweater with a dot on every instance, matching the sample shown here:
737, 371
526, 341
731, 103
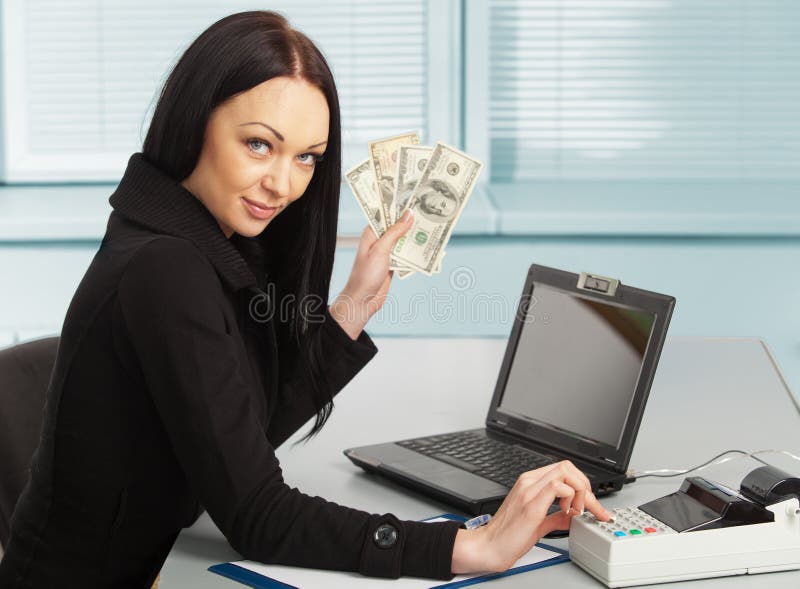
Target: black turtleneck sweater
167, 398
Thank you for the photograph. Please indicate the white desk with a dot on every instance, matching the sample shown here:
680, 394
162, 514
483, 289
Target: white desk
709, 395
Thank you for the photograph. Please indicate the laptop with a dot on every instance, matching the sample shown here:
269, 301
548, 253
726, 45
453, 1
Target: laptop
573, 385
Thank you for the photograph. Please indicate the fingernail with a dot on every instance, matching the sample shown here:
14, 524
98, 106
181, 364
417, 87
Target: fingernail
407, 216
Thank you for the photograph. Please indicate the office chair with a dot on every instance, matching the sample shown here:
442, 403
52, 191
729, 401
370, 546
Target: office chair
24, 377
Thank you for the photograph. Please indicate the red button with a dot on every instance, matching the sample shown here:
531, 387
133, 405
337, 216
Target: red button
650, 530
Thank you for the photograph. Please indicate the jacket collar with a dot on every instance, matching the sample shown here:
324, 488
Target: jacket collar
151, 198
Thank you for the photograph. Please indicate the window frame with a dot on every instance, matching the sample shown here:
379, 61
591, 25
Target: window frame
475, 105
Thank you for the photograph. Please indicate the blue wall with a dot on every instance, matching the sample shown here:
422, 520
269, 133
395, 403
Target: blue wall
727, 252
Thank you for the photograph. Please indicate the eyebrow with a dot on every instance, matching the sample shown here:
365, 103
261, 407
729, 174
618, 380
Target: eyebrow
278, 134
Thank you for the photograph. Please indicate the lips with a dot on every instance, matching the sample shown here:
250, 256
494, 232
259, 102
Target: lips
259, 210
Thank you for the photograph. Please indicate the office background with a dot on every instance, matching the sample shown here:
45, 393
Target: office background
656, 141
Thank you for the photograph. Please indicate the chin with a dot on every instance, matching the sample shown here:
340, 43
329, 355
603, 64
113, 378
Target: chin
251, 232
251, 229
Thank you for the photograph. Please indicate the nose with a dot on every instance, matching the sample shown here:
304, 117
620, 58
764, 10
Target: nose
278, 179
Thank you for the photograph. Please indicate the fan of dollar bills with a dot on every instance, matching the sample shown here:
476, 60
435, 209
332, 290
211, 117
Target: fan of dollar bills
433, 182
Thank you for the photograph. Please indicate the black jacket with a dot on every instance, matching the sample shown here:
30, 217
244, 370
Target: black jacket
167, 397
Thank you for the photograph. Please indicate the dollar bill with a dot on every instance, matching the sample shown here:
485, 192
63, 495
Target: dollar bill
362, 182
411, 161
437, 202
400, 267
383, 156
403, 271
395, 265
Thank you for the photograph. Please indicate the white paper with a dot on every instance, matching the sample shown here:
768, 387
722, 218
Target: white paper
313, 578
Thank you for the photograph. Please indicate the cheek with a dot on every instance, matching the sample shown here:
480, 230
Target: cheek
300, 183
226, 169
244, 174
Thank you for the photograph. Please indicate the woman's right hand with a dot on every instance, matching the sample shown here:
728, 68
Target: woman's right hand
522, 518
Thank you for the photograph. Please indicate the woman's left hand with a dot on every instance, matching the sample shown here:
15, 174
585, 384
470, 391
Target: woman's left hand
368, 286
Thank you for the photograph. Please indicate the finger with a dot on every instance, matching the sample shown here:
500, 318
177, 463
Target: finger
565, 471
579, 504
593, 505
531, 477
564, 465
587, 498
565, 497
396, 231
568, 465
552, 481
555, 521
585, 478
583, 489
540, 497
368, 238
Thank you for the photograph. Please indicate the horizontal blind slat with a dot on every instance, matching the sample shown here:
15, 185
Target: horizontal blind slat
642, 88
93, 68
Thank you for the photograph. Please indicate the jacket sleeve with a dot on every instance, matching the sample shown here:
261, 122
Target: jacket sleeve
341, 360
171, 301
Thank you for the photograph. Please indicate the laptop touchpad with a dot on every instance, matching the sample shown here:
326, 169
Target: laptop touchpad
448, 478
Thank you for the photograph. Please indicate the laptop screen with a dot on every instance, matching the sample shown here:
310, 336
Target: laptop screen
576, 365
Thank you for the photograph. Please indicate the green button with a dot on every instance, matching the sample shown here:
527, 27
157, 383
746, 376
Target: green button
634, 531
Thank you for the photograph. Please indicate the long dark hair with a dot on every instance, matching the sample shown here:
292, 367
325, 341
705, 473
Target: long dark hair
233, 55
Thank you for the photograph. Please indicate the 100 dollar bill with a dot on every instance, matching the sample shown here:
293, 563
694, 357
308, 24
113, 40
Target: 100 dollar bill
362, 183
411, 162
383, 155
437, 201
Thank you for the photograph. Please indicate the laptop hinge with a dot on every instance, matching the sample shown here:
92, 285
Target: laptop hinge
501, 426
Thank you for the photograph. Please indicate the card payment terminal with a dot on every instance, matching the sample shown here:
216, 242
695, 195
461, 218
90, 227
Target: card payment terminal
703, 530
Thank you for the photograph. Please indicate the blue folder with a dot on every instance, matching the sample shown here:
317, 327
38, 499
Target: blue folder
258, 581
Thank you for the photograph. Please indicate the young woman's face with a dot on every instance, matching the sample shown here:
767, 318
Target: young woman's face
259, 153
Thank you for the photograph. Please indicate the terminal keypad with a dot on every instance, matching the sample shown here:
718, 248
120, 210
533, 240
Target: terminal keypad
629, 522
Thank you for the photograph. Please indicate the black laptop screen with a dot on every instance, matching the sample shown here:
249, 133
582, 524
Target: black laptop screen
576, 365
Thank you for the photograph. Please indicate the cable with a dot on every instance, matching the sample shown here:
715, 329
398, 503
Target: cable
661, 473
673, 472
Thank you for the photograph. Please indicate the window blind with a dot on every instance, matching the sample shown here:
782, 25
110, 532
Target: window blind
630, 89
85, 74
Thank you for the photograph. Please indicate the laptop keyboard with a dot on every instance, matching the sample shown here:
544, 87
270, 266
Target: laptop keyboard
485, 457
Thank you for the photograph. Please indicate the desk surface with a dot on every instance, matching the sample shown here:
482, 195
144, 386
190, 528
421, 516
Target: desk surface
709, 395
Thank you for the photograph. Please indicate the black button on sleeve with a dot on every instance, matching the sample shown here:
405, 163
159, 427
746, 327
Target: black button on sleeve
385, 536
382, 551
414, 549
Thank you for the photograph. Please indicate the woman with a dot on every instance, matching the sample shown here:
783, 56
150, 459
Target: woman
199, 341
